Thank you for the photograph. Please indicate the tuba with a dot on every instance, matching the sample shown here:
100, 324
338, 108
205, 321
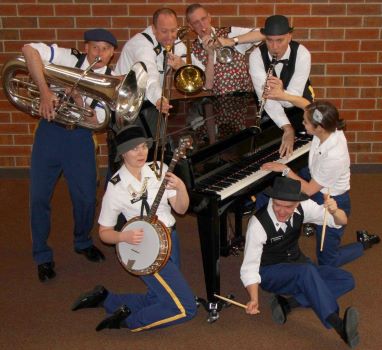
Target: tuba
123, 94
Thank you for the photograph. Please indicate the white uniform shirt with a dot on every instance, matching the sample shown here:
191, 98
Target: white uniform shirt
242, 48
64, 57
275, 109
140, 49
256, 237
118, 197
329, 163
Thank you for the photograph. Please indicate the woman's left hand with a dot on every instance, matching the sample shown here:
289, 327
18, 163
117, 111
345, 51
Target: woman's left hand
274, 166
173, 182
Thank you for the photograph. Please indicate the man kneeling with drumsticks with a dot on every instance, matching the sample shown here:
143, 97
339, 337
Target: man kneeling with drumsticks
272, 258
169, 300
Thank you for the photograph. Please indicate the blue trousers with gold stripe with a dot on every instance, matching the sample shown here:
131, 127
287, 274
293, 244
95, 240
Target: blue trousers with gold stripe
70, 152
168, 301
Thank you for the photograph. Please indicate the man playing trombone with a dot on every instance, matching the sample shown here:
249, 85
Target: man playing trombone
62, 148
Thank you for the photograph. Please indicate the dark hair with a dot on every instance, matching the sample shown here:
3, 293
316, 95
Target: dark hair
330, 116
163, 11
193, 7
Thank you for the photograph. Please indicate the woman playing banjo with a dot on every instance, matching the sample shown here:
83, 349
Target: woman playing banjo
131, 191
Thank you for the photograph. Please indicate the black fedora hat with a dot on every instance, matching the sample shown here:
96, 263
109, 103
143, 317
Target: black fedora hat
130, 137
276, 25
286, 189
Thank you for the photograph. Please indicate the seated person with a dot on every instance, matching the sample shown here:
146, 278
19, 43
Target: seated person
169, 300
273, 259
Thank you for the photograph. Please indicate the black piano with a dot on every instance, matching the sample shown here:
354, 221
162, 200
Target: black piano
221, 178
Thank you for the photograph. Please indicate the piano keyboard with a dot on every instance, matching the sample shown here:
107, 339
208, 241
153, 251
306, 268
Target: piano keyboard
238, 176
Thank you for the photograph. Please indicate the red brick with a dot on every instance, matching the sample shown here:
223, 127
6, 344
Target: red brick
38, 35
247, 22
369, 158
343, 69
327, 57
376, 147
352, 57
310, 22
22, 162
23, 139
328, 9
371, 69
343, 22
378, 126
73, 10
359, 103
348, 114
370, 21
19, 22
330, 34
130, 22
360, 33
371, 92
369, 136
353, 125
364, 9
256, 10
350, 136
93, 22
325, 81
6, 140
342, 45
14, 150
295, 10
370, 115
8, 10
313, 45
109, 10
317, 69
56, 22
360, 81
35, 10
371, 45
359, 147
7, 162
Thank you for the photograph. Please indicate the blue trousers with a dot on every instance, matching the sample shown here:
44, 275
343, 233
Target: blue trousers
168, 301
71, 152
333, 253
317, 287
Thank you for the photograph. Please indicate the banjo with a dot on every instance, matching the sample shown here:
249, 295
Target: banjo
152, 253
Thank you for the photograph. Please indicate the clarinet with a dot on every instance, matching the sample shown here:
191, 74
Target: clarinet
263, 99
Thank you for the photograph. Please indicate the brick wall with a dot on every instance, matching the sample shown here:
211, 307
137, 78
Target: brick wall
344, 38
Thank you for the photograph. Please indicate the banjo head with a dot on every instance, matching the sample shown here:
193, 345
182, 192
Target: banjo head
151, 254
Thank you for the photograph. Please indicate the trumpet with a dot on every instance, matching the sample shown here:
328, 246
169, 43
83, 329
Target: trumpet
224, 54
263, 99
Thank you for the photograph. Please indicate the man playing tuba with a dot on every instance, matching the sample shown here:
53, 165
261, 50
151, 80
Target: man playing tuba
60, 148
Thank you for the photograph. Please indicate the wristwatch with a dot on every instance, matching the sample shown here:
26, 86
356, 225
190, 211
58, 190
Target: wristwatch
285, 172
236, 40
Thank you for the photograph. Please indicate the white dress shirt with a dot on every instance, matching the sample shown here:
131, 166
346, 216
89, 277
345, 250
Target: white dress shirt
140, 49
256, 237
329, 163
275, 109
118, 197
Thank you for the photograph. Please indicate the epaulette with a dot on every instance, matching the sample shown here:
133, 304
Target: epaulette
115, 179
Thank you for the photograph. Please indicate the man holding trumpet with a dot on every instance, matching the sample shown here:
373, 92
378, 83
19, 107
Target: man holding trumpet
272, 258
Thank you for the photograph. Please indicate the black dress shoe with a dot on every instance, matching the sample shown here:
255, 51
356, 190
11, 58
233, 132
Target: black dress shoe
351, 319
46, 271
367, 239
91, 253
280, 309
91, 299
115, 321
309, 230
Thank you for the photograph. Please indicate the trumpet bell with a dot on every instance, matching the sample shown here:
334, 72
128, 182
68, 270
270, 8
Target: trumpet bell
189, 79
224, 54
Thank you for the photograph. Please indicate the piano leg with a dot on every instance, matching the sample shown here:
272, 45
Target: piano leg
209, 225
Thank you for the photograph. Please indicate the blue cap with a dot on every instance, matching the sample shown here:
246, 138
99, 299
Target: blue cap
100, 35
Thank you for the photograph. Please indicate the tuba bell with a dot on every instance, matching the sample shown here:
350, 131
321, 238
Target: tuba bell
123, 94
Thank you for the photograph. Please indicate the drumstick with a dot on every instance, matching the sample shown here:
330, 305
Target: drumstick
324, 225
230, 301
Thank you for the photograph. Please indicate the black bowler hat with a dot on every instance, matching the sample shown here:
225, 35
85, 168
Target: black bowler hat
286, 189
130, 137
100, 34
276, 25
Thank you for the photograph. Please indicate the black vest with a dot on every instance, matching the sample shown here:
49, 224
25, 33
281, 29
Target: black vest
281, 247
294, 114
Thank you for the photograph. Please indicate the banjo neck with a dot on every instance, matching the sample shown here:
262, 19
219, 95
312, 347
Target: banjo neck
184, 143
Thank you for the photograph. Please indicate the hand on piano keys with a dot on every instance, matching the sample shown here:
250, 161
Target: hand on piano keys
274, 166
287, 141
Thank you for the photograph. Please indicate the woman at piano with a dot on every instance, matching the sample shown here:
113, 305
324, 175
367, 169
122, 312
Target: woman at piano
328, 173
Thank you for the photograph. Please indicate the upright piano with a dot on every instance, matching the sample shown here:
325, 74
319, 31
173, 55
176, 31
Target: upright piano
222, 174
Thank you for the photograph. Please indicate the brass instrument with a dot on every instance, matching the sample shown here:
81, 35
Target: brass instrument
189, 79
265, 86
224, 54
124, 94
